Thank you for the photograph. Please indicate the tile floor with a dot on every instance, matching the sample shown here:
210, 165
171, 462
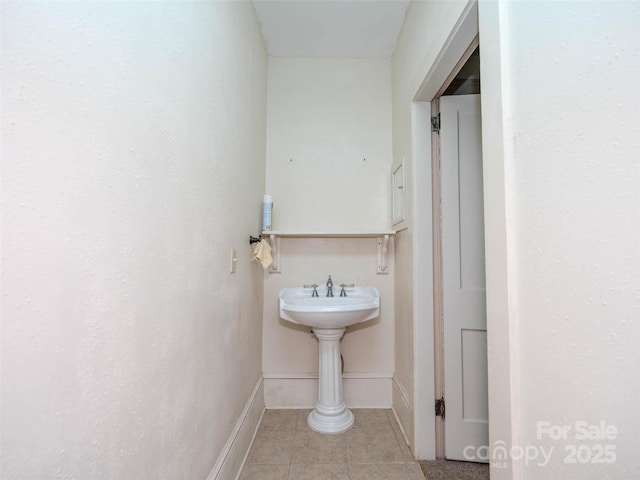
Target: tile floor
285, 448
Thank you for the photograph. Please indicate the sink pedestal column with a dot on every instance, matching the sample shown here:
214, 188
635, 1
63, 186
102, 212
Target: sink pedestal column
330, 414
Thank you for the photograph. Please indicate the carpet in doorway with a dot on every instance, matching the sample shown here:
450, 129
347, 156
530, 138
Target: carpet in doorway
452, 470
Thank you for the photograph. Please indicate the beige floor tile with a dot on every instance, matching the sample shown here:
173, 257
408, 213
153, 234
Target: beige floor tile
379, 471
285, 448
272, 447
393, 420
302, 420
373, 446
265, 472
279, 420
406, 451
319, 472
415, 472
312, 447
371, 419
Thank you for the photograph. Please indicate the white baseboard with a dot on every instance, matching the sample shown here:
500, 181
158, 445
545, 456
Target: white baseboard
403, 411
236, 448
300, 390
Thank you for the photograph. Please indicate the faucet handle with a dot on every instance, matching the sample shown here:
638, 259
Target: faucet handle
315, 289
343, 293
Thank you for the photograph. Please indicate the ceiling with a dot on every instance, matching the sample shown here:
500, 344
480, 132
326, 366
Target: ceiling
331, 28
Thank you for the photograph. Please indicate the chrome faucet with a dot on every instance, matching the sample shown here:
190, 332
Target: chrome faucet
329, 287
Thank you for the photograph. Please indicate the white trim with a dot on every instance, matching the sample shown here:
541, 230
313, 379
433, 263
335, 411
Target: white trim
235, 450
315, 375
404, 396
403, 412
404, 434
423, 340
497, 154
374, 234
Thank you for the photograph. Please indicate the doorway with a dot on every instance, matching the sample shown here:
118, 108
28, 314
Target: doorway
500, 277
460, 335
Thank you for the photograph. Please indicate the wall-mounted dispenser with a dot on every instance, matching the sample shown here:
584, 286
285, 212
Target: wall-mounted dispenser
267, 210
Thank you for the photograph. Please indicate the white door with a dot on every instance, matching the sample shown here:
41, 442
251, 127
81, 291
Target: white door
464, 303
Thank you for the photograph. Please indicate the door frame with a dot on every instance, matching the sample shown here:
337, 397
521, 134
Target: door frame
436, 215
424, 273
488, 19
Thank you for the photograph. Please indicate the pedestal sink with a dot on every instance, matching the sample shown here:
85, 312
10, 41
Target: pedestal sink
328, 317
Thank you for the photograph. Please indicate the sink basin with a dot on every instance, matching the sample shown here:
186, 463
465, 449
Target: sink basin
298, 306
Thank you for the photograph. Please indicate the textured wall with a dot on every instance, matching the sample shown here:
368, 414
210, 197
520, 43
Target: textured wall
575, 163
133, 145
329, 143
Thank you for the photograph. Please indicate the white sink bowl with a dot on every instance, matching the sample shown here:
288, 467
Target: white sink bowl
298, 306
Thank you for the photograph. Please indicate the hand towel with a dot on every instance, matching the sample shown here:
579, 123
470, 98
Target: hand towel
262, 253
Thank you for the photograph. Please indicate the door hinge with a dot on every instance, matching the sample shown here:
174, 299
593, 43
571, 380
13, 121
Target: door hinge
435, 124
440, 407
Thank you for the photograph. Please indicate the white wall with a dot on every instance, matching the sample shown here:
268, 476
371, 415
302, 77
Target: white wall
133, 146
328, 169
329, 143
574, 213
